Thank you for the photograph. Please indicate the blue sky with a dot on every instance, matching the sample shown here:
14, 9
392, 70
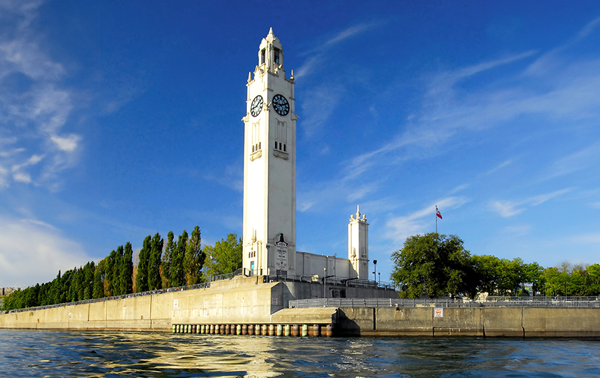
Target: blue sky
121, 119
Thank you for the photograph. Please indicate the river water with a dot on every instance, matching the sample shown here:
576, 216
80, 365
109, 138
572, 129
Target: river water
100, 354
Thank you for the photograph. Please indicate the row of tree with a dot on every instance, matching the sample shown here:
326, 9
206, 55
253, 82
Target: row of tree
434, 265
162, 264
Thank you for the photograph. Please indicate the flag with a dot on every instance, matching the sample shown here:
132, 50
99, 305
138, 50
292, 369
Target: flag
437, 212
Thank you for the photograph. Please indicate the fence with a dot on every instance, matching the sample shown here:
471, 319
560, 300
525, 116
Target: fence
203, 285
330, 281
580, 302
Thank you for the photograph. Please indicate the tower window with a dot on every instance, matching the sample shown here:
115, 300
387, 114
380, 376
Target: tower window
284, 148
276, 56
262, 56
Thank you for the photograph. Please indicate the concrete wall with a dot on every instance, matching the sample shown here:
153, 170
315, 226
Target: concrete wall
240, 300
483, 321
309, 264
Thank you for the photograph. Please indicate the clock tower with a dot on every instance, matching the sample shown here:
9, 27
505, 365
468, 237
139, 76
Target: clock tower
269, 230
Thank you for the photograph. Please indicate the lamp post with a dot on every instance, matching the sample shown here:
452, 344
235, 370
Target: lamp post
375, 272
324, 281
379, 278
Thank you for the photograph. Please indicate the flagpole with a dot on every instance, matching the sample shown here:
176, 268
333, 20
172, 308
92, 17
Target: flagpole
436, 219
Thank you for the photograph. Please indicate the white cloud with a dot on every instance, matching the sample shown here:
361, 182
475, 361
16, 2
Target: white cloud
576, 161
3, 177
35, 114
448, 112
517, 230
498, 167
67, 143
419, 222
318, 55
589, 28
508, 209
232, 177
505, 208
592, 238
22, 177
460, 188
29, 240
319, 106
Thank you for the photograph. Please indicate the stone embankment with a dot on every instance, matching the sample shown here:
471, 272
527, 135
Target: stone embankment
465, 321
250, 306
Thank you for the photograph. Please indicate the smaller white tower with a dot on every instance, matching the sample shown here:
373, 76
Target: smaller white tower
358, 245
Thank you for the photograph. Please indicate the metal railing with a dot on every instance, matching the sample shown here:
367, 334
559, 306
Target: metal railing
203, 285
539, 298
589, 302
330, 281
379, 302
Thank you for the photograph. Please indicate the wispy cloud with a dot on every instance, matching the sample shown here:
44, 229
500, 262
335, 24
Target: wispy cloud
232, 177
27, 240
448, 113
319, 106
591, 238
33, 106
418, 222
498, 167
579, 160
551, 60
317, 56
508, 209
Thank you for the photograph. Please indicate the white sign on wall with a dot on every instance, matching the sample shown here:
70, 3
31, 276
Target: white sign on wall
281, 254
438, 313
175, 304
281, 257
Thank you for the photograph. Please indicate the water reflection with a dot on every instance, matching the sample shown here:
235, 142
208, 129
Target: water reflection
96, 354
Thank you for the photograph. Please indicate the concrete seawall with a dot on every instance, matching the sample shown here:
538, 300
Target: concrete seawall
485, 322
244, 299
248, 300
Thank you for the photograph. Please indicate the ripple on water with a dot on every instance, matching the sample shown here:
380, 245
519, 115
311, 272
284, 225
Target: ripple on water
57, 353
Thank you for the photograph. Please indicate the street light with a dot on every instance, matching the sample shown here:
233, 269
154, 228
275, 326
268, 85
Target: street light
379, 278
375, 272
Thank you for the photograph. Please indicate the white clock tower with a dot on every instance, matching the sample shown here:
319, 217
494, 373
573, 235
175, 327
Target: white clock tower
270, 165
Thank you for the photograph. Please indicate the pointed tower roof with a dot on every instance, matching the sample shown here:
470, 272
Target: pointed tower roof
271, 40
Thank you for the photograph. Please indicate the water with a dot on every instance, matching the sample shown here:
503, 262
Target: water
95, 354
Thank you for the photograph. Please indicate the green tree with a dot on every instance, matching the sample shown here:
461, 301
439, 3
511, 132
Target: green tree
88, 272
98, 291
56, 291
228, 254
177, 270
165, 266
225, 257
489, 273
127, 270
556, 281
142, 270
534, 274
110, 271
154, 280
194, 258
117, 263
433, 265
210, 268
512, 276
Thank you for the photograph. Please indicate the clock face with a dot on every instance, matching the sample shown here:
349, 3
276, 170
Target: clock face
256, 106
281, 105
